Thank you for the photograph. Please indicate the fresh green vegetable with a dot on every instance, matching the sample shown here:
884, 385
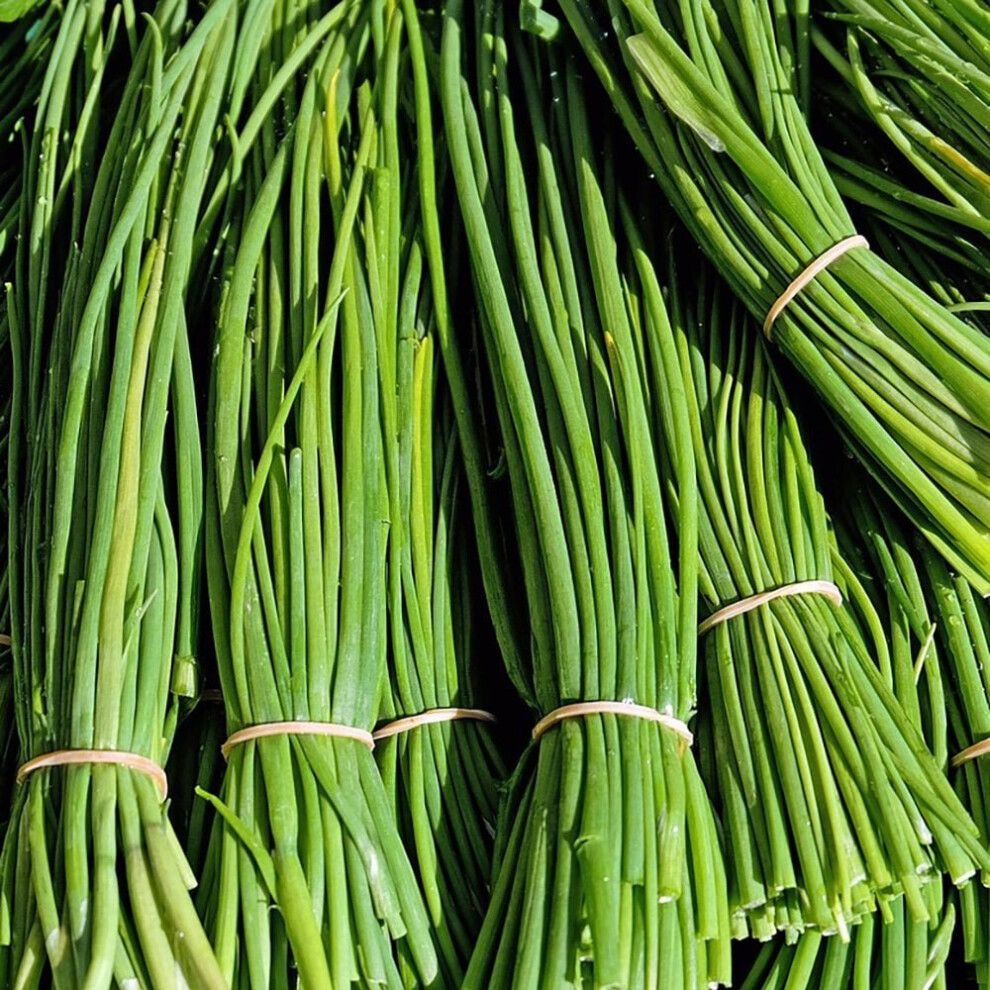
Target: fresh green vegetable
729, 144
917, 75
829, 799
104, 500
441, 777
12, 10
314, 295
609, 870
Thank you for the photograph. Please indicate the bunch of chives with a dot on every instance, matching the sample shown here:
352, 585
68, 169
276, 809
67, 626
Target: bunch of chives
609, 871
298, 514
441, 777
877, 567
875, 174
887, 594
728, 141
829, 799
103, 503
920, 76
938, 631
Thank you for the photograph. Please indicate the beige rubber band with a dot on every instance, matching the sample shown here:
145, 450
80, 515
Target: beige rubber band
817, 266
82, 757
745, 605
296, 729
429, 717
626, 708
971, 752
5, 640
212, 696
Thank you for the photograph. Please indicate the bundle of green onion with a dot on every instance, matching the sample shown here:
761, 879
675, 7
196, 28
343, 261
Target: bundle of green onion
609, 870
875, 564
938, 631
316, 291
729, 143
441, 776
829, 798
961, 620
918, 76
103, 503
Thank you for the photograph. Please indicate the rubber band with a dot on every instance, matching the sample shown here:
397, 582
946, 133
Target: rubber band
745, 605
429, 717
266, 729
626, 708
5, 640
82, 757
817, 266
212, 696
971, 753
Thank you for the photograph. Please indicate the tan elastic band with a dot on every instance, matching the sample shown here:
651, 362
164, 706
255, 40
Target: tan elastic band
428, 717
212, 696
296, 729
745, 605
5, 640
817, 266
626, 708
971, 752
82, 757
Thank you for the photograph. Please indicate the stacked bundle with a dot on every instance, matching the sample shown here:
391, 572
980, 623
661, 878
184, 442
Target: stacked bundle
918, 77
435, 748
609, 867
104, 506
907, 380
320, 438
805, 729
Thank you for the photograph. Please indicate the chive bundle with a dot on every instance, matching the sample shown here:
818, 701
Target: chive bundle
947, 624
919, 76
962, 637
804, 727
441, 777
313, 298
609, 868
103, 505
730, 146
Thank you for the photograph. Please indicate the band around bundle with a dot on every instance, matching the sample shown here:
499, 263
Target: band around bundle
971, 752
745, 605
296, 728
429, 717
807, 276
626, 708
85, 757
